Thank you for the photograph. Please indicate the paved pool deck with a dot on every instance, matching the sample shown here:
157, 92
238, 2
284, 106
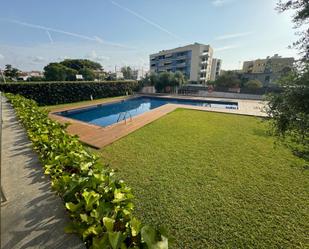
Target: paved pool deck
32, 216
99, 137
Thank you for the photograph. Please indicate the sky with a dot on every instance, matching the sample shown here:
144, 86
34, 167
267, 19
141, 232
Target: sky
115, 33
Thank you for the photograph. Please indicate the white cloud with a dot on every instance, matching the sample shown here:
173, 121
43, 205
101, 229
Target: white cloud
37, 59
228, 47
219, 3
146, 20
50, 37
234, 35
62, 58
80, 36
94, 56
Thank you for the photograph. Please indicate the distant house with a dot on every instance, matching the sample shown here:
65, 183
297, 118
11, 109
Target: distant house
79, 77
119, 75
26, 75
35, 74
267, 70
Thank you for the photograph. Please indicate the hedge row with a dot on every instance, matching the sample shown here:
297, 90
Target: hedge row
99, 204
52, 93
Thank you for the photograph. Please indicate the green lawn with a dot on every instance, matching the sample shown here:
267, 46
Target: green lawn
215, 180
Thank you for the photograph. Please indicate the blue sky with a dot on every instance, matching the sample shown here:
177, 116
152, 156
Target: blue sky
125, 32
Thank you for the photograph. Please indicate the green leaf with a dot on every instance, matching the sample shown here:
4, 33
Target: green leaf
91, 198
108, 223
148, 235
115, 239
85, 166
135, 226
119, 196
101, 243
95, 230
73, 207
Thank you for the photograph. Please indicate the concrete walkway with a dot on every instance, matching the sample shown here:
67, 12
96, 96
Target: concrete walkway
33, 216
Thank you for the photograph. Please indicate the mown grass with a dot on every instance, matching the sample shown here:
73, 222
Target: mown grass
215, 181
81, 103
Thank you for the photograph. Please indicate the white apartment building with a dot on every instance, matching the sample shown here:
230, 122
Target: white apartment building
194, 61
215, 68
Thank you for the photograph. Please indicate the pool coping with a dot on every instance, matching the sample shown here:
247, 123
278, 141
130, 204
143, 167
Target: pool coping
99, 137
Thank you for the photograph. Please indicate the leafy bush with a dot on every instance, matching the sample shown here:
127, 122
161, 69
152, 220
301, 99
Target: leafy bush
253, 84
229, 79
100, 205
52, 93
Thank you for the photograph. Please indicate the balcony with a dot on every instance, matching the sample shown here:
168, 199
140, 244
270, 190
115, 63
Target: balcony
204, 62
167, 62
203, 70
182, 57
180, 65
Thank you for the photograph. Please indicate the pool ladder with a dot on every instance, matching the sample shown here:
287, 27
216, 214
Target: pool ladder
123, 116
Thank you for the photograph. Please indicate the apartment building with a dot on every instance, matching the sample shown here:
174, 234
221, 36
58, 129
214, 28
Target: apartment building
267, 70
215, 69
194, 61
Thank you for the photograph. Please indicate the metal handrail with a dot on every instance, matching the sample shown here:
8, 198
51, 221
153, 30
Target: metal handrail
119, 116
125, 119
124, 116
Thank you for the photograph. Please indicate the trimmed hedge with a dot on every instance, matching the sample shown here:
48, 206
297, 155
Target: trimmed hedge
52, 93
99, 204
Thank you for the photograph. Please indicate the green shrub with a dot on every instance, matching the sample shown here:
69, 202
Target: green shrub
253, 84
99, 204
52, 93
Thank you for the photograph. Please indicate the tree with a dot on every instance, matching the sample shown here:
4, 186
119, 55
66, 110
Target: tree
68, 69
229, 79
87, 73
78, 64
55, 72
289, 109
253, 84
154, 78
10, 71
145, 81
300, 18
179, 79
127, 73
165, 80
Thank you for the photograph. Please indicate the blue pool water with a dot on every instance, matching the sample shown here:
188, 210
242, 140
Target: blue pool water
108, 114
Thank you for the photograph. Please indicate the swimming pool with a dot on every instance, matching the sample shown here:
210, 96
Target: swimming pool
108, 114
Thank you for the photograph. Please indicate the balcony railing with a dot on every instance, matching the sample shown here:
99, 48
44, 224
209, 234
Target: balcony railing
182, 57
181, 64
205, 54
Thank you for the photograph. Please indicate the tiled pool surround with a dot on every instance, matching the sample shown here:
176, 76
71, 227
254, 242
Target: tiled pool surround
98, 136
